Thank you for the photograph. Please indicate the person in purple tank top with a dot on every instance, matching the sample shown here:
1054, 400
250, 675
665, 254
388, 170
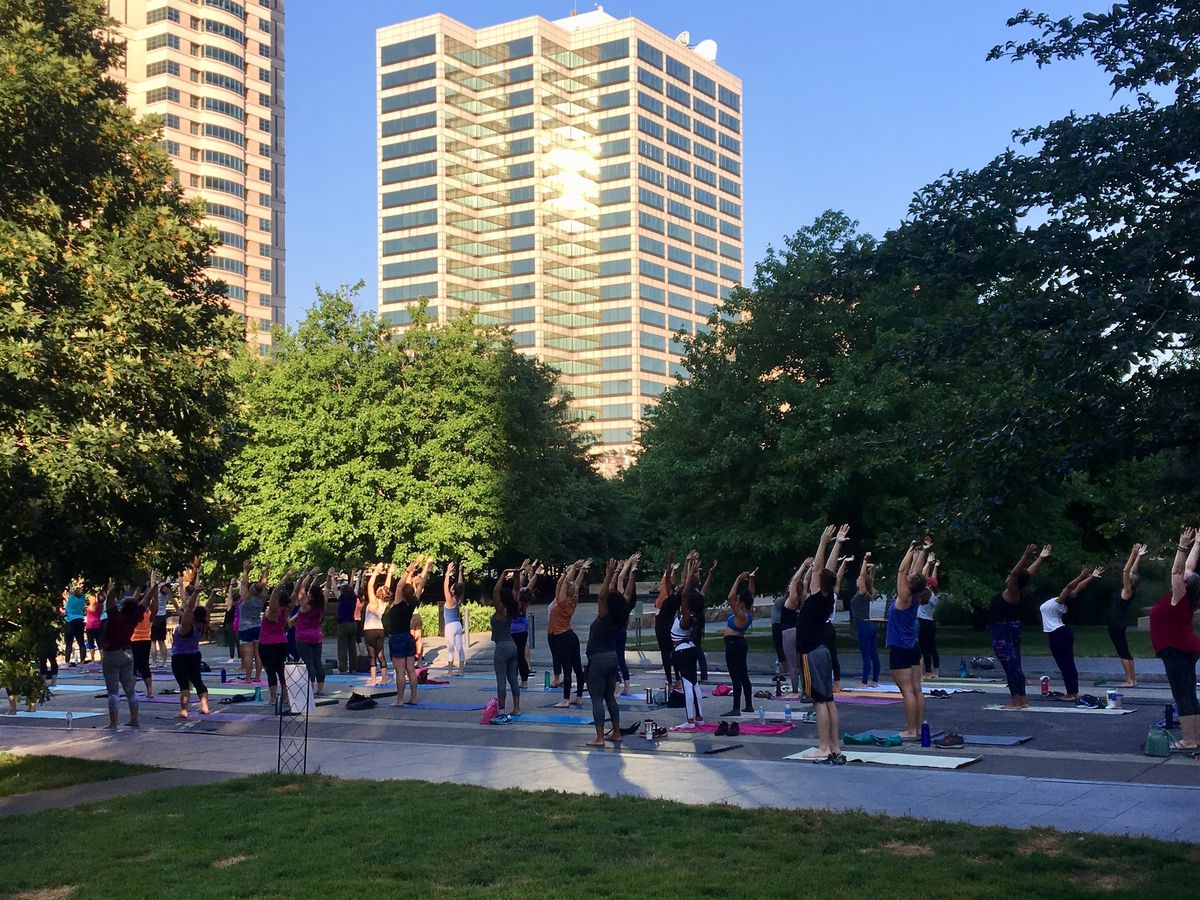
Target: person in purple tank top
185, 649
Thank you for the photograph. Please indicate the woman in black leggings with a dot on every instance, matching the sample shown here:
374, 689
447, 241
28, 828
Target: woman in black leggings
741, 602
1118, 613
667, 610
563, 641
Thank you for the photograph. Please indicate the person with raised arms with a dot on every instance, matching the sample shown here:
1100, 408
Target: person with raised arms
927, 624
684, 653
347, 624
308, 612
788, 618
504, 648
116, 654
453, 591
272, 640
1173, 636
254, 598
864, 628
912, 589
563, 641
813, 659
185, 648
627, 588
401, 645
1118, 613
666, 611
379, 598
1006, 622
75, 603
159, 652
737, 651
527, 579
1060, 636
602, 653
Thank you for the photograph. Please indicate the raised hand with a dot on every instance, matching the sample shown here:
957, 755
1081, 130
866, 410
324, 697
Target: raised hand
1097, 572
843, 533
1046, 551
1142, 549
829, 532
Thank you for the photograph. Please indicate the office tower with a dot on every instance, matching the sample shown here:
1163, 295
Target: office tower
577, 180
213, 70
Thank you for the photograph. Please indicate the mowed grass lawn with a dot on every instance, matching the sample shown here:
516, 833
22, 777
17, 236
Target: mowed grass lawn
22, 774
271, 836
953, 643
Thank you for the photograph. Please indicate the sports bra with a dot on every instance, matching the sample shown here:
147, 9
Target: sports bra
731, 624
681, 638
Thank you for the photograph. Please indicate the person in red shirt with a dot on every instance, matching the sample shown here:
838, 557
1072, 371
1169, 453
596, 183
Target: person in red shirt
116, 647
1174, 637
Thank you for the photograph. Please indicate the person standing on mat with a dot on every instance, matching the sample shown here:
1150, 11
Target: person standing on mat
781, 662
602, 655
116, 654
563, 641
683, 645
812, 655
860, 620
504, 649
788, 619
254, 598
1174, 639
401, 645
272, 641
519, 625
1006, 623
139, 644
741, 605
626, 586
75, 603
829, 637
927, 625
379, 598
185, 648
347, 627
307, 615
453, 591
666, 607
912, 590
700, 622
159, 653
1060, 636
94, 625
1118, 613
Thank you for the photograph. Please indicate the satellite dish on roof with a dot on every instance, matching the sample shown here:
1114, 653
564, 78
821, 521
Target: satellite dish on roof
707, 49
684, 37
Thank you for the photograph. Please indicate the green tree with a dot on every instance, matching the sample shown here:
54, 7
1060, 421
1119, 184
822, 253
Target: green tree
368, 445
114, 348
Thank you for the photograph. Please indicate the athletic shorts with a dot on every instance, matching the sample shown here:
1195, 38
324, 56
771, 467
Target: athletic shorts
249, 635
904, 657
158, 628
402, 646
817, 670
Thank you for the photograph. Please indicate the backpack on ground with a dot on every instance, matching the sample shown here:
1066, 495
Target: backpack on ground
361, 701
362, 664
1158, 743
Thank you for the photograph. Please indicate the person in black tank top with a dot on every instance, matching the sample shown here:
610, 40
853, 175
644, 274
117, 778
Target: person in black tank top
1118, 613
1006, 622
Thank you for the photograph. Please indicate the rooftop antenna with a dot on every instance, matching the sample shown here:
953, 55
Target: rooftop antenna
684, 37
707, 49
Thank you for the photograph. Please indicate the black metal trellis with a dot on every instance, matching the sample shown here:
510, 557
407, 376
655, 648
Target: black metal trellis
293, 724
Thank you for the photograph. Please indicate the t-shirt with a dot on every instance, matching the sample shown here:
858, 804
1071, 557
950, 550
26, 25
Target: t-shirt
860, 609
1171, 626
925, 610
810, 621
347, 601
142, 632
787, 618
560, 617
602, 635
252, 608
74, 606
1052, 615
1118, 610
400, 617
118, 633
1004, 612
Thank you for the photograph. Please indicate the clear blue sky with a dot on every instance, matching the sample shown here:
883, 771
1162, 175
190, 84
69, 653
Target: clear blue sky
851, 105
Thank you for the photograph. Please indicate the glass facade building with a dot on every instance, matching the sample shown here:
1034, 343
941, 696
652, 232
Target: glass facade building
578, 181
213, 70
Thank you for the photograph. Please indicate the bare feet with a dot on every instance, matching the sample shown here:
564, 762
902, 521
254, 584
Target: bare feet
1016, 704
578, 701
1127, 684
398, 703
183, 714
562, 704
909, 735
614, 736
598, 744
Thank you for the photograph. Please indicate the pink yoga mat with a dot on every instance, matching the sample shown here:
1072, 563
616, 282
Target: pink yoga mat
744, 728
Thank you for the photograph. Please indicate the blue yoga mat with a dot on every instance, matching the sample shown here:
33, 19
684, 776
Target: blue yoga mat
77, 688
545, 719
450, 707
50, 714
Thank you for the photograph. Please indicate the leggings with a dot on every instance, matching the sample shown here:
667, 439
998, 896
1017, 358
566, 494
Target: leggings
504, 661
702, 662
777, 640
565, 648
273, 658
141, 659
75, 632
1062, 646
347, 645
454, 644
664, 648
927, 638
310, 654
868, 648
685, 667
117, 666
1181, 675
789, 651
231, 641
602, 686
48, 664
736, 651
1116, 634
521, 638
622, 639
829, 640
1006, 644
186, 669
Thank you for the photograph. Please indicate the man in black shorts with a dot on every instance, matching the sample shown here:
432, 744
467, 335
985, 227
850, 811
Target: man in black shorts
815, 663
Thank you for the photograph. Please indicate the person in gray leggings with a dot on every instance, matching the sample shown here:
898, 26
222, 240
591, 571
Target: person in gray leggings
602, 649
116, 649
504, 654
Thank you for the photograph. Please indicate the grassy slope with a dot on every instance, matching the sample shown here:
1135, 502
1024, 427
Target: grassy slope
22, 774
272, 837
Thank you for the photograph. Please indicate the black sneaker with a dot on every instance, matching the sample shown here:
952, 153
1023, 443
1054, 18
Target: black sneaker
734, 729
723, 729
952, 740
735, 712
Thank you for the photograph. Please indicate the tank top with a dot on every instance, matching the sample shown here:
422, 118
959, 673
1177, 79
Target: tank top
1004, 612
400, 617
372, 621
681, 638
186, 644
452, 614
273, 632
308, 626
142, 631
519, 624
902, 627
501, 630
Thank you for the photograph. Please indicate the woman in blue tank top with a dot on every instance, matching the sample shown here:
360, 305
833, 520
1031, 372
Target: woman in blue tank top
911, 591
741, 602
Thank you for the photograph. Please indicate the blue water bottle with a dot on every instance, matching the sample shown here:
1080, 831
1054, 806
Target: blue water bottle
962, 668
762, 715
925, 739
224, 675
787, 711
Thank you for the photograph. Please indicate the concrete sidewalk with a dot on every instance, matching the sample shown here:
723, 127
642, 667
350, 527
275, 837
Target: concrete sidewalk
1165, 812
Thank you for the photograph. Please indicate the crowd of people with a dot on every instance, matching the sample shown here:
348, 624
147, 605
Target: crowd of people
378, 627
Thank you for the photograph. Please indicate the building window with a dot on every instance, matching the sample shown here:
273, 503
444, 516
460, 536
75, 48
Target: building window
220, 54
650, 54
162, 14
158, 95
394, 53
158, 41
225, 108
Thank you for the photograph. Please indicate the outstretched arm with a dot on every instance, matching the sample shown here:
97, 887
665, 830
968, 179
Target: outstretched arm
712, 570
1012, 587
504, 576
584, 565
863, 572
447, 591
1086, 578
1131, 567
610, 571
419, 583
244, 584
902, 591
1037, 563
630, 591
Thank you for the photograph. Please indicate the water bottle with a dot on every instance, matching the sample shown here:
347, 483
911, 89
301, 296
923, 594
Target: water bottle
778, 671
69, 717
1169, 716
925, 739
762, 715
1045, 685
546, 680
787, 711
224, 675
962, 668
258, 695
649, 730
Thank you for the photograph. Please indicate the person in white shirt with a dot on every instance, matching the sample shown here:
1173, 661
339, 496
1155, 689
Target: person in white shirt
926, 625
1062, 639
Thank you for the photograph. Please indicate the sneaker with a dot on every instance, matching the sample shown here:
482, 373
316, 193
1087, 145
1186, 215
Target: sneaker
952, 740
723, 729
835, 759
733, 713
734, 729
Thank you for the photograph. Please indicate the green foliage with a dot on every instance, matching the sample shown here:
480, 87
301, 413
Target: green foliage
478, 617
366, 445
1014, 362
115, 349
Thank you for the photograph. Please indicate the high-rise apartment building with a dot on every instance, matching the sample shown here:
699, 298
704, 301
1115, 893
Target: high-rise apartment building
578, 180
213, 70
